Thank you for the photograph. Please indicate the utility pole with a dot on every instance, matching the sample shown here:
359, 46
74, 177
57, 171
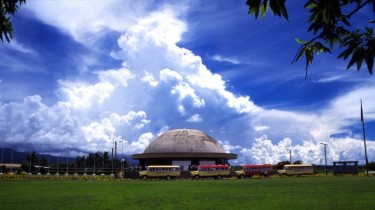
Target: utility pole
116, 153
112, 162
290, 156
2, 156
11, 162
325, 155
364, 138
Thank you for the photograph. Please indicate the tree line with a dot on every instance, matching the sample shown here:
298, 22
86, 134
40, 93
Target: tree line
98, 161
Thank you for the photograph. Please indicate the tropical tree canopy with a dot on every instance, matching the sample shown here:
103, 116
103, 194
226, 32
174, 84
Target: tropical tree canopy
330, 27
7, 11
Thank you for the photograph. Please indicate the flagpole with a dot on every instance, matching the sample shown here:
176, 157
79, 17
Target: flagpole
364, 138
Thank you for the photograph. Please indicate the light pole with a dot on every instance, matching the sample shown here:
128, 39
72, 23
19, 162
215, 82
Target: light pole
11, 162
103, 165
116, 154
67, 167
290, 155
48, 160
112, 175
325, 155
2, 156
40, 161
113, 145
84, 173
94, 164
122, 159
122, 169
30, 165
57, 175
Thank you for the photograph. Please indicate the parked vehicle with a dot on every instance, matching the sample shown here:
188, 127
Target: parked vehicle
160, 171
249, 170
297, 169
216, 171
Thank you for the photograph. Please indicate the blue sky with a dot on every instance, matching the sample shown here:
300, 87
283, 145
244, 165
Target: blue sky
80, 74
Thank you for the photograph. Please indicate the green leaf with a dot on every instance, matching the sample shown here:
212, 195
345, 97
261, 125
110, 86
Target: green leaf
320, 47
310, 4
263, 8
345, 54
355, 58
345, 21
300, 53
300, 41
281, 4
275, 7
369, 59
254, 6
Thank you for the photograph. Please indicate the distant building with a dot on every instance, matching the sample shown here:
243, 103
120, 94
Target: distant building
345, 167
184, 147
11, 167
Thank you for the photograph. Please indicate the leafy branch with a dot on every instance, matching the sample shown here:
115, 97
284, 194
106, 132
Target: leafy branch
330, 27
8, 9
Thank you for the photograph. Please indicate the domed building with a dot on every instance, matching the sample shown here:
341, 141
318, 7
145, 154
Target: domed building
185, 147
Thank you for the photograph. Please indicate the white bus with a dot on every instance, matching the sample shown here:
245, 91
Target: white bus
297, 169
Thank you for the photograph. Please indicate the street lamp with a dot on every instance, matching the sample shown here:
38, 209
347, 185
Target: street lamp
103, 166
112, 175
290, 155
67, 168
2, 157
84, 173
48, 174
57, 175
30, 166
325, 155
122, 169
93, 173
122, 160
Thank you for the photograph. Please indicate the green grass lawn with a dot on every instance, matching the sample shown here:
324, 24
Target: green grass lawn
346, 192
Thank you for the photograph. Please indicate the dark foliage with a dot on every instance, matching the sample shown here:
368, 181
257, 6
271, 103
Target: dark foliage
330, 27
7, 11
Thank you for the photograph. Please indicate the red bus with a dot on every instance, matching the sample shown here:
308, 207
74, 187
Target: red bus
249, 170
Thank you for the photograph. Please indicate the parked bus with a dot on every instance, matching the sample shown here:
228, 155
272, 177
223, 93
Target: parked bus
161, 171
249, 170
297, 169
216, 171
345, 167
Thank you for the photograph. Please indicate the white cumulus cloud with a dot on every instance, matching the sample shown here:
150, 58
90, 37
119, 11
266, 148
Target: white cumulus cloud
160, 86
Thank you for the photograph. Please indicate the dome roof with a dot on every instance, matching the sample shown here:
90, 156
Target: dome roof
184, 141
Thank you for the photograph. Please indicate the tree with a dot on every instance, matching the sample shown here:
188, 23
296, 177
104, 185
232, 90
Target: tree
298, 162
281, 164
371, 166
29, 163
32, 158
330, 27
7, 11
